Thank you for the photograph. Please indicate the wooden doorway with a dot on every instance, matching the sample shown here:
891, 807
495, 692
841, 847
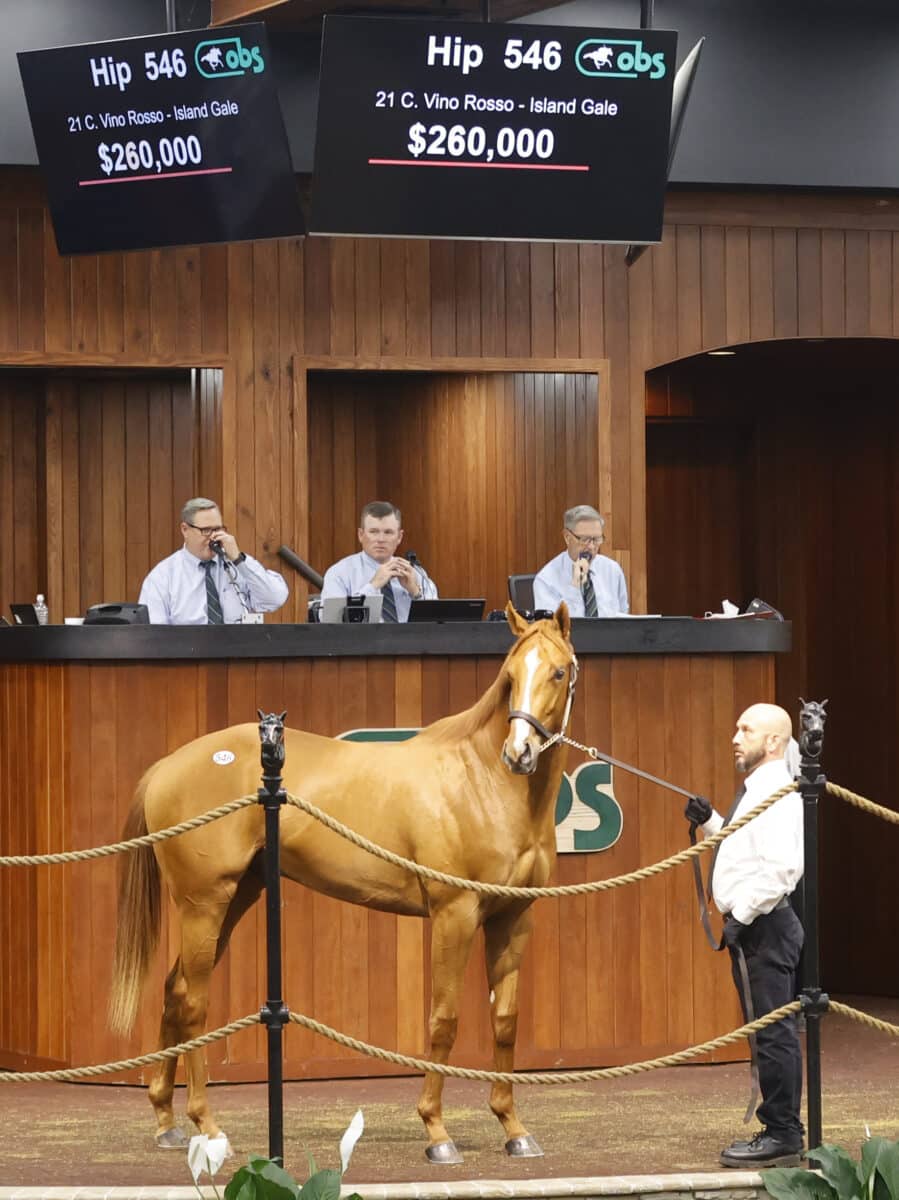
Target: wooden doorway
774, 472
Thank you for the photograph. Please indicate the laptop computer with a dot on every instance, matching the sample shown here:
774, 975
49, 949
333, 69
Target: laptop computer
332, 609
24, 614
446, 610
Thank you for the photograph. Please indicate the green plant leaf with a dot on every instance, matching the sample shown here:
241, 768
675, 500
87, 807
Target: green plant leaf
323, 1185
278, 1184
888, 1166
243, 1185
880, 1168
262, 1179
795, 1183
839, 1170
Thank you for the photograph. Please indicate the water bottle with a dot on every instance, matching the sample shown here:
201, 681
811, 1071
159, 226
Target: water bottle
41, 611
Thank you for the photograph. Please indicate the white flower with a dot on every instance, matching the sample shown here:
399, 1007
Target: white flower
206, 1154
350, 1138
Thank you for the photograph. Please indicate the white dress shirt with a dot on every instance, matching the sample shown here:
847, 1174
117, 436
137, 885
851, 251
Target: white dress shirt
175, 590
553, 584
352, 576
764, 860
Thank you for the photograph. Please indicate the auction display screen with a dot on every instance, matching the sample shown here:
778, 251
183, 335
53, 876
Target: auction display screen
170, 140
447, 129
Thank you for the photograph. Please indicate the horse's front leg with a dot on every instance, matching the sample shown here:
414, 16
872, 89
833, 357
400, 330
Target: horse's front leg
505, 938
452, 930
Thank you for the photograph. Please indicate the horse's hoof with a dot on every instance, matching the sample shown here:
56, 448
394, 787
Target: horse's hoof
524, 1147
172, 1139
444, 1154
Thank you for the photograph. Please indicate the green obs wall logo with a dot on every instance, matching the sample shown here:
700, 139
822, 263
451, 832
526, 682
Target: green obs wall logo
618, 59
588, 817
221, 57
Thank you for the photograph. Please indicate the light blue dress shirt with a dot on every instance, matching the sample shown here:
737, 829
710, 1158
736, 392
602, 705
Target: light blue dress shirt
352, 576
553, 584
175, 590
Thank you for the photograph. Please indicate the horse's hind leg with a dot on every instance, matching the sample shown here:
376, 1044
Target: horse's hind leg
505, 937
453, 928
205, 930
162, 1085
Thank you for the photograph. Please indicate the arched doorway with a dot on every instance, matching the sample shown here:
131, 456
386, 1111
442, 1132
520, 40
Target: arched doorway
772, 471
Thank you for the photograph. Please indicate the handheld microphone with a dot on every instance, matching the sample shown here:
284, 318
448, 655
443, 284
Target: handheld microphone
412, 558
217, 547
585, 554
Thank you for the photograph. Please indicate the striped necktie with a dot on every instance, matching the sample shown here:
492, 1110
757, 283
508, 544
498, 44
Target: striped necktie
213, 603
388, 607
589, 592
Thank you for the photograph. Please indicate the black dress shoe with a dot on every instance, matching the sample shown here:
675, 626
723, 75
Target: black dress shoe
764, 1150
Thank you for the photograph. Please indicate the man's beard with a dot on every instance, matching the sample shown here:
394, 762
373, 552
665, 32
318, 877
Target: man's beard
748, 760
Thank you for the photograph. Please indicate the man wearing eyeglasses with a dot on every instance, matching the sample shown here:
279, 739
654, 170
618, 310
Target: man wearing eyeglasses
210, 580
589, 583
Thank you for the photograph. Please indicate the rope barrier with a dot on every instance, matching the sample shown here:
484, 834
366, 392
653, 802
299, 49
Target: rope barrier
423, 1064
148, 839
544, 1077
126, 1064
534, 893
490, 889
405, 1060
864, 1018
868, 806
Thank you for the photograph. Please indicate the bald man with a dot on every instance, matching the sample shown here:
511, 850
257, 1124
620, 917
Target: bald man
755, 872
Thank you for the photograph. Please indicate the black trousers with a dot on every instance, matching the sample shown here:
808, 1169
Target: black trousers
772, 945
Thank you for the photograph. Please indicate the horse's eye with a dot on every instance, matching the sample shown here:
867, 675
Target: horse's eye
559, 673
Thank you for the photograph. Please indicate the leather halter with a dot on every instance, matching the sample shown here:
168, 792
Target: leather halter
549, 739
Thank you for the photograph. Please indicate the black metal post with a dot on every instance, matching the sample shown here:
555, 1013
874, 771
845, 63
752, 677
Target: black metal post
646, 14
171, 21
814, 1001
275, 1013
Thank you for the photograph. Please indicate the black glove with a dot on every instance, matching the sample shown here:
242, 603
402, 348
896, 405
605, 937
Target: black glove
733, 931
698, 810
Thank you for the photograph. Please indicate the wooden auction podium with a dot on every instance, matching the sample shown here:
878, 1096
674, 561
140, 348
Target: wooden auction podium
609, 978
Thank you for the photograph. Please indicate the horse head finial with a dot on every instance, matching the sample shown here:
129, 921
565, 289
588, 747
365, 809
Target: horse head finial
271, 735
812, 718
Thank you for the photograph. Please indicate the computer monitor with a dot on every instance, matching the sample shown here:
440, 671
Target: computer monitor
117, 614
446, 610
336, 610
24, 614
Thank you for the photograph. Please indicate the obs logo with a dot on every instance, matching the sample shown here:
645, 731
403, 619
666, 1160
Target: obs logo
227, 56
625, 59
588, 817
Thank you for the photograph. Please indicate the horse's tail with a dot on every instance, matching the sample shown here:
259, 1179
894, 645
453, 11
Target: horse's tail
137, 932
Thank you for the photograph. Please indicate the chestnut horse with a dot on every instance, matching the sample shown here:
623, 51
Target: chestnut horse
470, 795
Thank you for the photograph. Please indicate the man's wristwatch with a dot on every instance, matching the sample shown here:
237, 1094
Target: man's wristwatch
240, 558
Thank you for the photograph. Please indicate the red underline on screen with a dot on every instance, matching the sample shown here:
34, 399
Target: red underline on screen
420, 162
157, 175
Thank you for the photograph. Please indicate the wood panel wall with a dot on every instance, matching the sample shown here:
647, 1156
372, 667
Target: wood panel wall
94, 470
610, 978
790, 500
732, 268
482, 465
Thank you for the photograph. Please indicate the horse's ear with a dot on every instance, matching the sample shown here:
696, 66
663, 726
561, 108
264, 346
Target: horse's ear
563, 619
517, 623
282, 716
260, 714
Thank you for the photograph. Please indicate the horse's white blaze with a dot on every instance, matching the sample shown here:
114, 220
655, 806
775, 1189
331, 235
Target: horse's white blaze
520, 728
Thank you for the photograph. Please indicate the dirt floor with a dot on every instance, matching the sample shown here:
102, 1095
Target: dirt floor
664, 1121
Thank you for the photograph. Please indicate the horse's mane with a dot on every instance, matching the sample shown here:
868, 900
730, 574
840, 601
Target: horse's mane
471, 720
